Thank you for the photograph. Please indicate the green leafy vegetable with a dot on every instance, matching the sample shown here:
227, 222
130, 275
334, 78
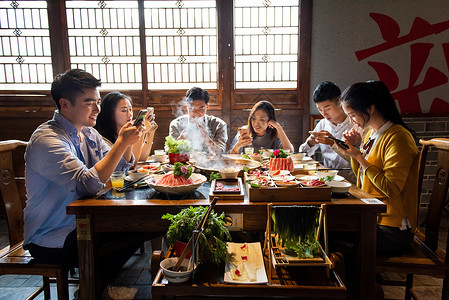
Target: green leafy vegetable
246, 170
252, 184
181, 169
279, 153
246, 156
212, 240
177, 146
213, 176
327, 178
297, 226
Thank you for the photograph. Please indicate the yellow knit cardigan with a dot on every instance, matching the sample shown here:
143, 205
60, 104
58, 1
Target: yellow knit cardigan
392, 176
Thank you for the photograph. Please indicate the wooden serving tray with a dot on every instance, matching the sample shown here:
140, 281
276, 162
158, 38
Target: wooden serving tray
227, 195
287, 194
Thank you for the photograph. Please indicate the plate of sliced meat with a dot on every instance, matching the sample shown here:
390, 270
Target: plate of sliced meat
176, 184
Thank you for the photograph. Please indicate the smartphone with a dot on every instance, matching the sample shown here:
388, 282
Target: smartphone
151, 110
140, 117
339, 142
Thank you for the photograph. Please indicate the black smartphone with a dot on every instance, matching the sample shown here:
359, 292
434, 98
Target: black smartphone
339, 142
140, 117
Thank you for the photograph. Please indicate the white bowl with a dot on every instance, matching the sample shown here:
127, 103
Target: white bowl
267, 153
325, 173
159, 158
256, 156
298, 156
135, 174
228, 173
176, 277
340, 187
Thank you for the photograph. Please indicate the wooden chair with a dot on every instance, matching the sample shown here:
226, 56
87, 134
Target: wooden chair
425, 257
13, 258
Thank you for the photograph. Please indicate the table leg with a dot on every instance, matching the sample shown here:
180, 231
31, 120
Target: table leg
368, 256
86, 259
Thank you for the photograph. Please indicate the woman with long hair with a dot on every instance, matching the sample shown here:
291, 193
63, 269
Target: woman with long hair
263, 131
116, 111
386, 166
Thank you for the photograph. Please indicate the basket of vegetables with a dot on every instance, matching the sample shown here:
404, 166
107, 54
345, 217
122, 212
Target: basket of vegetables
178, 150
293, 238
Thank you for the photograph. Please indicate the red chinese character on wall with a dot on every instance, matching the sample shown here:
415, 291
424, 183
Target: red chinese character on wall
408, 98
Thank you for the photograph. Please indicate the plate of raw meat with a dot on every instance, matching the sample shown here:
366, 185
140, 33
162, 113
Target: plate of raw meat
176, 184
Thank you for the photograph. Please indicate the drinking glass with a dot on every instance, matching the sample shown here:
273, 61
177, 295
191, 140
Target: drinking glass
249, 150
117, 179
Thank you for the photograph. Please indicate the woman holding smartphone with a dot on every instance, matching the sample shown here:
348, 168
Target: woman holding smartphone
263, 131
386, 166
116, 111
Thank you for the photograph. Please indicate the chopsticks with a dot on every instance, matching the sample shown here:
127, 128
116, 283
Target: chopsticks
335, 169
132, 183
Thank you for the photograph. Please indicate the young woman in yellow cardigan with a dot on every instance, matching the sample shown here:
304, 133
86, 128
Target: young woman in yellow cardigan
386, 166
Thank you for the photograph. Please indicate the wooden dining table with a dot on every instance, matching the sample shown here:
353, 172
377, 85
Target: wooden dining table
140, 210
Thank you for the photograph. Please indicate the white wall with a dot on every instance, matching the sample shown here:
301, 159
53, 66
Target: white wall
342, 27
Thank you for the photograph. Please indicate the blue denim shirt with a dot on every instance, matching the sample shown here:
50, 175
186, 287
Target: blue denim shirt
55, 177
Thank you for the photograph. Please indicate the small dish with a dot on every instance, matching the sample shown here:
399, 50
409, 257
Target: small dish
298, 156
306, 177
338, 178
313, 183
283, 178
267, 153
339, 187
254, 177
179, 276
159, 158
256, 156
229, 173
309, 166
279, 172
286, 183
136, 174
152, 167
326, 173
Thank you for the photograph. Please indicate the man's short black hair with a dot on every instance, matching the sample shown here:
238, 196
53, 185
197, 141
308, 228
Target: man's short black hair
197, 93
326, 91
71, 84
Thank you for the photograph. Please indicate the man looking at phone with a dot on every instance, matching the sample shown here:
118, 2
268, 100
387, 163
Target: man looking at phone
67, 159
205, 132
327, 99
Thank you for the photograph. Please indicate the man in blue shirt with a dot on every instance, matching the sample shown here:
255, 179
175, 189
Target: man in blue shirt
67, 159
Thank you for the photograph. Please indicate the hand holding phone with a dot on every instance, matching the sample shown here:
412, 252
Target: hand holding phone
140, 117
339, 142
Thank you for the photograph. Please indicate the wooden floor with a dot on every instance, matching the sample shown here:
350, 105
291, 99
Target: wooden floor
134, 282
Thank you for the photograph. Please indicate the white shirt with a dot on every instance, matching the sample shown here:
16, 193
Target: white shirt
330, 158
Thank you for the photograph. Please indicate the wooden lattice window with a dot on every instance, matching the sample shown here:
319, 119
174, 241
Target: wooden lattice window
181, 43
25, 55
104, 40
266, 43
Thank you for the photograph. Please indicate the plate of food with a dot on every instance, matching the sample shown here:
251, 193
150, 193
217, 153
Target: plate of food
287, 183
279, 173
176, 184
152, 167
283, 178
245, 265
302, 177
313, 183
